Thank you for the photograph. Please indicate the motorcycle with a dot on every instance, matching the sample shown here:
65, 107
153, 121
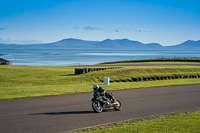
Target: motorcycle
99, 104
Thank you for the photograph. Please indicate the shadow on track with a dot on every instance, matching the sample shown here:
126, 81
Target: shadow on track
65, 113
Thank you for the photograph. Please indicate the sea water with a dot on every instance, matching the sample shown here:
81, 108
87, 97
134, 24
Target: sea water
72, 57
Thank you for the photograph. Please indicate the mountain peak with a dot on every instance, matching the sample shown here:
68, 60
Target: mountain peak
189, 41
71, 39
126, 39
107, 40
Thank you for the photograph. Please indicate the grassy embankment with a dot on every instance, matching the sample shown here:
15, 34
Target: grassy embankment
34, 81
184, 122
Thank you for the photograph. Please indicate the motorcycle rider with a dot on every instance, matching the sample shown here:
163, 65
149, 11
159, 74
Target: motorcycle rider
99, 91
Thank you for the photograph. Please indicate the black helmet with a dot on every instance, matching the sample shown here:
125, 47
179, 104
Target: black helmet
95, 87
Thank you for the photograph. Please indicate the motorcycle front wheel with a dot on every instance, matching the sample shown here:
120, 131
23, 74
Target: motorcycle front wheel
118, 106
96, 106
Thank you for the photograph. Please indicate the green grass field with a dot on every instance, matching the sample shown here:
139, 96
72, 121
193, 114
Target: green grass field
35, 81
184, 122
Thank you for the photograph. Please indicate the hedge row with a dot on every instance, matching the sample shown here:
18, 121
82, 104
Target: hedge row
180, 59
155, 78
86, 70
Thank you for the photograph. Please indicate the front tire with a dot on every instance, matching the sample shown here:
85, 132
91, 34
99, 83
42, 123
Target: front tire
118, 106
96, 106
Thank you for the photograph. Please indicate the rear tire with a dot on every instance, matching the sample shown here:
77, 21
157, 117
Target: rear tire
96, 106
118, 106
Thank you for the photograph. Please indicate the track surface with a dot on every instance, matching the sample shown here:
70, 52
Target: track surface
63, 113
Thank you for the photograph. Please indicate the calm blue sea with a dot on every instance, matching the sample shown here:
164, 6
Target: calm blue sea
67, 57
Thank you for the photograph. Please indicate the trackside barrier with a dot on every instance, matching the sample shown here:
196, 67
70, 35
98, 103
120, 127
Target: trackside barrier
86, 70
155, 78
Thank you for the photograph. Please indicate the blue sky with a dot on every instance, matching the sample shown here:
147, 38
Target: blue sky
168, 22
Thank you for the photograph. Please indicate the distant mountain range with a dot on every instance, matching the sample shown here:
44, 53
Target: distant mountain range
106, 44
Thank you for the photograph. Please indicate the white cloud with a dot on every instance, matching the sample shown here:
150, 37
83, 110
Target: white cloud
142, 30
120, 29
2, 28
92, 28
76, 27
15, 41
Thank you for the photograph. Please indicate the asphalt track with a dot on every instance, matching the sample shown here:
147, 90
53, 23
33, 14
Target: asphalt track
68, 112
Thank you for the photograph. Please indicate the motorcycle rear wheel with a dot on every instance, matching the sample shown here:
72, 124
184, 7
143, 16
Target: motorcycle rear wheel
96, 106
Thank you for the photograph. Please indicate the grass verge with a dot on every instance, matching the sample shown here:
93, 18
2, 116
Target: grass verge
7, 93
182, 122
